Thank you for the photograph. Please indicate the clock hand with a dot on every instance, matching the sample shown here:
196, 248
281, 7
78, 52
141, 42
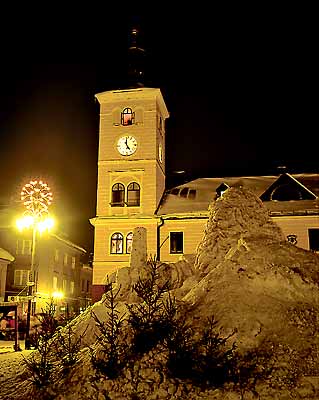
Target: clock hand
127, 146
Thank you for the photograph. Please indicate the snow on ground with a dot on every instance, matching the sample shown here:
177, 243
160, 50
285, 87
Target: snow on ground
11, 364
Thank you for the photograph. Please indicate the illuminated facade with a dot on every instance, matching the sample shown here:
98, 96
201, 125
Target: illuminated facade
131, 190
59, 268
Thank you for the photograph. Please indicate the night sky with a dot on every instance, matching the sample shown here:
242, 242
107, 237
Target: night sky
241, 87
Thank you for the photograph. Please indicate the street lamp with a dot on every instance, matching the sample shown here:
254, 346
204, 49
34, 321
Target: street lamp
36, 196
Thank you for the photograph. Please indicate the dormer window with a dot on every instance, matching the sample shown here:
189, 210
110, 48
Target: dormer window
221, 189
127, 117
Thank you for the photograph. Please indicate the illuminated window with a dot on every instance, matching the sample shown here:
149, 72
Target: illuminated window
127, 117
65, 259
118, 195
55, 283
24, 247
176, 242
64, 284
73, 262
133, 194
72, 287
129, 241
313, 235
56, 255
20, 277
117, 243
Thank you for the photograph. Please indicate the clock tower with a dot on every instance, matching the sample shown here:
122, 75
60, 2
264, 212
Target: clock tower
131, 175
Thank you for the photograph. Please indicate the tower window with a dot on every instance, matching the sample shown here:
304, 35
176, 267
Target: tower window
313, 235
117, 243
133, 194
176, 242
129, 241
127, 117
118, 195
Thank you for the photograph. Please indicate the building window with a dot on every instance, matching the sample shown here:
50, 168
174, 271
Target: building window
65, 259
184, 192
64, 286
127, 117
313, 235
133, 194
72, 287
176, 242
129, 241
117, 243
21, 277
55, 283
24, 247
73, 262
118, 195
56, 255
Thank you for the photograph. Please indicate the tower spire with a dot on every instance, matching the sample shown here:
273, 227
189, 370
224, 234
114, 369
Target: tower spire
136, 59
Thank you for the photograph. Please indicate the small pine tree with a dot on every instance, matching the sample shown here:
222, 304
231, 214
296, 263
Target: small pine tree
67, 346
41, 361
110, 338
149, 319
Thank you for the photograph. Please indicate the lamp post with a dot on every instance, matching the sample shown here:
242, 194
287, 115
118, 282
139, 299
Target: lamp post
36, 196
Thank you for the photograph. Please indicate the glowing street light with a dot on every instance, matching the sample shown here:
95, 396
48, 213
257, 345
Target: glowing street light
37, 197
57, 295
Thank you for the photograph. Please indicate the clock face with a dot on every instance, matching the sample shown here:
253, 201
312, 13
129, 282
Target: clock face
127, 145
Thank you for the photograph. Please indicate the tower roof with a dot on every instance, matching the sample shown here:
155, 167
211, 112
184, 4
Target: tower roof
136, 60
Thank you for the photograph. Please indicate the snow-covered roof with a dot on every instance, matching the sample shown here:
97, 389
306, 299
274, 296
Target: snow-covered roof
195, 196
5, 255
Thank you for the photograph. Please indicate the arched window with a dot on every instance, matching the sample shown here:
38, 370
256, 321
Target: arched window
117, 243
118, 195
127, 117
129, 241
133, 194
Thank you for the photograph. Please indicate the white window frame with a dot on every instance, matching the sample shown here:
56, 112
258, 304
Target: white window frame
24, 247
55, 283
21, 277
65, 259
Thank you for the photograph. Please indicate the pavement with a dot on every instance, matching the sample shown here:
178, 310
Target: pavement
7, 346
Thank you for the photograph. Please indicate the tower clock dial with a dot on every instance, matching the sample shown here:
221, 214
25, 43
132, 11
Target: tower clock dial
126, 145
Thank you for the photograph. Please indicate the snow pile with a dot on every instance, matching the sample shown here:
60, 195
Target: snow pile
255, 284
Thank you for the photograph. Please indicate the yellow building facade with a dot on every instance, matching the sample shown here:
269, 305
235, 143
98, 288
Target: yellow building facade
131, 174
131, 190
